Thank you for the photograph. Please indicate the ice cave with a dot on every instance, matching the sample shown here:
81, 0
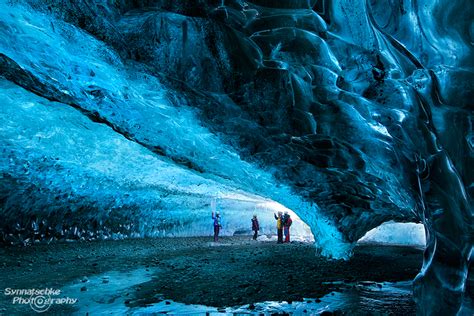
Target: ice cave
125, 124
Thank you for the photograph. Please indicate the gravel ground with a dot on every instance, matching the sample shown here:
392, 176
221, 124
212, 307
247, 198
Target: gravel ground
235, 271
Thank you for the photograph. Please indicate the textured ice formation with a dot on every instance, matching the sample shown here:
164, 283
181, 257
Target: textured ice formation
128, 118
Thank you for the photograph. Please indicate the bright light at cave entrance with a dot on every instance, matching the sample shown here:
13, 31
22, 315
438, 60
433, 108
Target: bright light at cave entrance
396, 233
300, 230
238, 208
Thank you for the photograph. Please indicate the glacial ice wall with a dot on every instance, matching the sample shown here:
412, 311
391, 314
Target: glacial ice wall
80, 72
127, 118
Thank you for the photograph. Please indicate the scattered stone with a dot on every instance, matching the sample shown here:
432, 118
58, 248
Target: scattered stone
191, 267
83, 289
237, 299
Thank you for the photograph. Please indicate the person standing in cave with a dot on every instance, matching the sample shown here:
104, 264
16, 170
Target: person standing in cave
283, 223
255, 227
287, 221
217, 225
279, 220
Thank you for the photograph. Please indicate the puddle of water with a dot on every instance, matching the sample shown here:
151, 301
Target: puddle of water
358, 298
107, 294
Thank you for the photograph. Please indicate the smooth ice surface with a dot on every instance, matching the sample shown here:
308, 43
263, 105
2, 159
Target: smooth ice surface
129, 118
396, 233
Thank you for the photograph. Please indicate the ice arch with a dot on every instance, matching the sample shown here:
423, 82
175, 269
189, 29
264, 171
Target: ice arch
125, 117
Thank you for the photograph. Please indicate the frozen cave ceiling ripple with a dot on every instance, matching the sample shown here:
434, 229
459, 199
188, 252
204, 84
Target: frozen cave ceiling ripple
130, 116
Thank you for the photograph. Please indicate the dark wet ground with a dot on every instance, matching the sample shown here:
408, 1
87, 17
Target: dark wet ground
234, 272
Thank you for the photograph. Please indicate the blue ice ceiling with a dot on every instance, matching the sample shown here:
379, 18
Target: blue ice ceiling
127, 118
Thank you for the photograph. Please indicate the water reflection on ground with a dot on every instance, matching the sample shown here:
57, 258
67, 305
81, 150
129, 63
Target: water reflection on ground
109, 293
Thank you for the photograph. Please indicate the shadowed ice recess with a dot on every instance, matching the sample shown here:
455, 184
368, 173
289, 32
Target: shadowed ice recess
132, 118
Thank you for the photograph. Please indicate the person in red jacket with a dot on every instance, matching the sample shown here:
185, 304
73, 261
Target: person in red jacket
286, 226
255, 227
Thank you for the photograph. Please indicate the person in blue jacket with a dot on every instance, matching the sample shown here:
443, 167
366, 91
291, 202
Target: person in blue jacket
217, 225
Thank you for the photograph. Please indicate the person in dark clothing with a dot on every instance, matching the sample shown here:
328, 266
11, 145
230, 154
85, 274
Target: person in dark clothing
255, 227
287, 221
285, 218
217, 225
279, 220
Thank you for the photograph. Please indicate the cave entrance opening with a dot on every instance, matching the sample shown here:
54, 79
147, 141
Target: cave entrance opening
238, 210
300, 231
395, 233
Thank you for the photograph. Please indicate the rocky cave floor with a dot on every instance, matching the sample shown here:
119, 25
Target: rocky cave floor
234, 272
